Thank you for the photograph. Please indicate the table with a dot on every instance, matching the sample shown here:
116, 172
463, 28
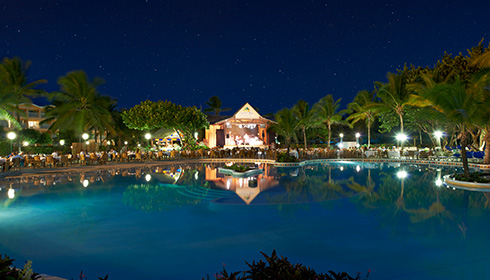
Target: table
394, 154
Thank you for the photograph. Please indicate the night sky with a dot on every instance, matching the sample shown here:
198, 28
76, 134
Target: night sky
267, 53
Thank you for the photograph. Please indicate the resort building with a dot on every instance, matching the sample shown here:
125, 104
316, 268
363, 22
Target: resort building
31, 118
246, 128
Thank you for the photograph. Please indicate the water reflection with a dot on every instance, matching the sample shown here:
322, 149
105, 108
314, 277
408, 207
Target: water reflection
409, 195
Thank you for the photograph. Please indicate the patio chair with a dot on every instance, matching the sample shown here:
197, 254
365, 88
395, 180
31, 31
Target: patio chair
37, 162
49, 161
15, 164
104, 158
82, 159
64, 161
93, 159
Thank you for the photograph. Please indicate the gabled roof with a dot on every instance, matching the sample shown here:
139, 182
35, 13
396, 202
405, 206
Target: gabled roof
247, 112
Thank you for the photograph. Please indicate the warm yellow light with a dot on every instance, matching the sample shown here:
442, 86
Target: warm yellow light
11, 135
148, 136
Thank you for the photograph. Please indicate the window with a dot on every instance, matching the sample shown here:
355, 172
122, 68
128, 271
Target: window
33, 124
33, 114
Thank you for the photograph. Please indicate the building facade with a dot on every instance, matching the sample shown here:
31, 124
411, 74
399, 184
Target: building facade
244, 129
31, 117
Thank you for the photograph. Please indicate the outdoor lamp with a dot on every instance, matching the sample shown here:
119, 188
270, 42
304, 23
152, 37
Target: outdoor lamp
62, 142
357, 139
11, 135
401, 137
125, 142
438, 135
85, 136
147, 136
25, 143
87, 142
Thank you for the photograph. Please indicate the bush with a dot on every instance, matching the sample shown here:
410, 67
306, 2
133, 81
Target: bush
285, 157
281, 268
10, 272
475, 177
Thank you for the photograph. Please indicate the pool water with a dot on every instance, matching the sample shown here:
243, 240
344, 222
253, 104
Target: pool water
188, 221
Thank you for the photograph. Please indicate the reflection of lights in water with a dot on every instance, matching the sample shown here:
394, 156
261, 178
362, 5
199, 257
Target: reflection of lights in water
196, 175
439, 182
358, 168
228, 184
341, 168
85, 183
148, 177
402, 174
11, 193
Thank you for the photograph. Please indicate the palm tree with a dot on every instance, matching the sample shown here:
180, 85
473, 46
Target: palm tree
286, 125
306, 117
13, 80
79, 107
394, 95
363, 110
327, 110
215, 104
460, 106
7, 105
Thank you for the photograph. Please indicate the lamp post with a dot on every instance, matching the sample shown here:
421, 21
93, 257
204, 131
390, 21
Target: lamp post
438, 135
62, 142
357, 139
148, 137
85, 137
401, 138
11, 135
341, 138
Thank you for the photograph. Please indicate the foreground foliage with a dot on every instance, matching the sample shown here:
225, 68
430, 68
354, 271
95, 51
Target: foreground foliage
280, 268
8, 271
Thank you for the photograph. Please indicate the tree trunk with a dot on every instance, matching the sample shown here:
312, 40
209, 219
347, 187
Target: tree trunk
463, 156
486, 158
329, 130
304, 136
369, 133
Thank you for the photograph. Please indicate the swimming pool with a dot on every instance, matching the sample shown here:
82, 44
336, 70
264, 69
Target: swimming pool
186, 221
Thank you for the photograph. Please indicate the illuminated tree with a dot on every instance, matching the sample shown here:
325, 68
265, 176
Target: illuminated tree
150, 115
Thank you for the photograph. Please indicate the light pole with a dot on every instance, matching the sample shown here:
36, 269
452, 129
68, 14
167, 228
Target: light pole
357, 139
148, 137
11, 135
85, 137
341, 138
401, 138
438, 135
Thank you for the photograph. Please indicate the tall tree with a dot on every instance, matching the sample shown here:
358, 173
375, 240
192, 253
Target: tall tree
150, 115
14, 81
362, 110
306, 117
394, 96
458, 105
328, 113
79, 107
215, 104
286, 125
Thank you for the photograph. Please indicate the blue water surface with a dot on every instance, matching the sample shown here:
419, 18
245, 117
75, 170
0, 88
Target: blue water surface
188, 221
